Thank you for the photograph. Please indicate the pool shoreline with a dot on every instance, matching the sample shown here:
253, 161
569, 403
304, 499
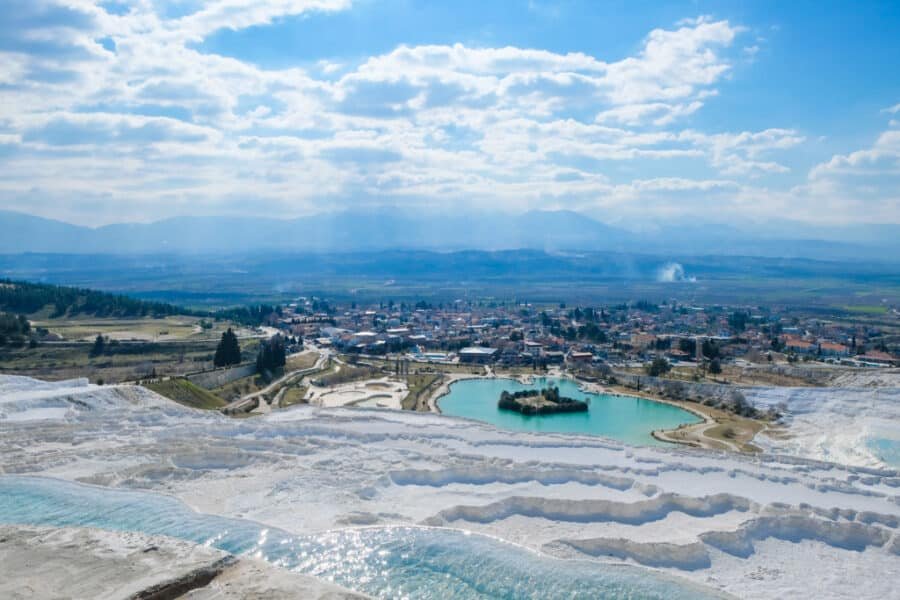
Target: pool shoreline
694, 435
628, 435
688, 434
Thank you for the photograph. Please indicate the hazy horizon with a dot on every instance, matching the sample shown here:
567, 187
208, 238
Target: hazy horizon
800, 229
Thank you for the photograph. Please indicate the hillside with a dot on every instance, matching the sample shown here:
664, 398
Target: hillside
26, 298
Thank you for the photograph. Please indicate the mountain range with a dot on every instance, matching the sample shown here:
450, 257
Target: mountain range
550, 231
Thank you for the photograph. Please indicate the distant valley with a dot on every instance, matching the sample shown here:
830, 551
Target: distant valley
550, 231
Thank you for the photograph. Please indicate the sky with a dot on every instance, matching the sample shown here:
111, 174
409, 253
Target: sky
633, 113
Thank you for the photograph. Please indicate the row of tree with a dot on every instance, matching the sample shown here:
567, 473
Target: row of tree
272, 355
15, 330
23, 297
251, 316
710, 348
589, 332
660, 366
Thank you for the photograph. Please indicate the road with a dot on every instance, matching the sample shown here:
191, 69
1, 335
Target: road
282, 381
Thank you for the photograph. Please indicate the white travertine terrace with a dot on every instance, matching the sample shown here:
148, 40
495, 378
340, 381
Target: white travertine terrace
769, 526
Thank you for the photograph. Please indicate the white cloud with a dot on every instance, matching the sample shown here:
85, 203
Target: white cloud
740, 154
883, 158
173, 130
673, 64
240, 14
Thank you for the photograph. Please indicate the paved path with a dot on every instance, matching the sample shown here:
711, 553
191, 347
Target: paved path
282, 381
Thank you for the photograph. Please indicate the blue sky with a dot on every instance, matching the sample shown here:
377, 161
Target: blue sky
632, 112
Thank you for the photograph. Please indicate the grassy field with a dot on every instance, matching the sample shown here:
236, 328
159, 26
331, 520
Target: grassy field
347, 373
299, 362
186, 393
137, 347
419, 386
293, 395
760, 376
125, 363
449, 369
517, 371
137, 329
417, 367
730, 374
729, 432
735, 430
122, 361
867, 309
240, 387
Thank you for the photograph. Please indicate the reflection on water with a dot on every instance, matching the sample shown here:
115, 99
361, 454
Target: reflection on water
388, 562
625, 418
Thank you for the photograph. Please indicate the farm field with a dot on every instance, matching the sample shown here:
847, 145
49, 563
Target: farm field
139, 329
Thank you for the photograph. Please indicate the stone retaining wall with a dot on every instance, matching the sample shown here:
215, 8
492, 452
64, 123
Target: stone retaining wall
220, 377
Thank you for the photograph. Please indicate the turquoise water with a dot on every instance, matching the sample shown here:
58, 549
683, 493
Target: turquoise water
624, 418
887, 450
386, 562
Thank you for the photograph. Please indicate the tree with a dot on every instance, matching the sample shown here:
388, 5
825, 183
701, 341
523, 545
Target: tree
592, 333
675, 390
715, 367
551, 393
738, 404
272, 355
738, 321
14, 330
228, 352
26, 297
710, 349
688, 345
99, 346
659, 366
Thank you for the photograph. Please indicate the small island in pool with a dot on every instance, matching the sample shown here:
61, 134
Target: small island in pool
540, 402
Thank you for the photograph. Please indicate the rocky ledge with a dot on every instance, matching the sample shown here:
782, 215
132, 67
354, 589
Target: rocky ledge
76, 563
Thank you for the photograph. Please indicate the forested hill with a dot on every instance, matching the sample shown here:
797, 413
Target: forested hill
26, 298
23, 298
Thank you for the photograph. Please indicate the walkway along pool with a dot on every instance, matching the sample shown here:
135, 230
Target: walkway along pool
625, 418
386, 562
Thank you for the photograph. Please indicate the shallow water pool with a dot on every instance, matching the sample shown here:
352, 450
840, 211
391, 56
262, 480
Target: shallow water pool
625, 418
887, 450
386, 562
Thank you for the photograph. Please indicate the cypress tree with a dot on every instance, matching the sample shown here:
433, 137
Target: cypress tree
99, 346
235, 348
272, 354
228, 352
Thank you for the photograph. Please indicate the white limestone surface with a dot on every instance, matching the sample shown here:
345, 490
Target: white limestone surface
41, 563
769, 526
842, 425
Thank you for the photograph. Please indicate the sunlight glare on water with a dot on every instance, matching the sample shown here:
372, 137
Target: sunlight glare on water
386, 562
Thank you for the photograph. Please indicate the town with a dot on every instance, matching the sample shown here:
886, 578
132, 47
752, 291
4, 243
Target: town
628, 335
